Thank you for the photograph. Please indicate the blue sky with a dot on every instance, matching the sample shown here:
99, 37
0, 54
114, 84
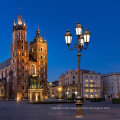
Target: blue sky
54, 17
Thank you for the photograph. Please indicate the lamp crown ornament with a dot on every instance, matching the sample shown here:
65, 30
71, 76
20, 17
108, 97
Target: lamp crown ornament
78, 25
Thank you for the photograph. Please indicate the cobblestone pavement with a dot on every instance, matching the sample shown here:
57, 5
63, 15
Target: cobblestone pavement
12, 110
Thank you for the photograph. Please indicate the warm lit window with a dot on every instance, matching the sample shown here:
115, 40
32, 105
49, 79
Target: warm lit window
96, 96
91, 80
91, 85
32, 69
91, 90
86, 90
86, 96
86, 80
73, 89
86, 85
91, 96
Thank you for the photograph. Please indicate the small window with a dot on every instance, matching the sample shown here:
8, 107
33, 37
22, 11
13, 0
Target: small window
22, 67
41, 49
2, 91
73, 77
22, 47
23, 75
41, 57
41, 62
22, 53
23, 94
22, 42
73, 82
23, 60
22, 87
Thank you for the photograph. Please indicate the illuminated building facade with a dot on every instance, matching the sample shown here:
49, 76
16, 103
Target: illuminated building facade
16, 73
91, 84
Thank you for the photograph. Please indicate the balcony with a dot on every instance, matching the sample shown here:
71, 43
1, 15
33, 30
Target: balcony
91, 82
92, 87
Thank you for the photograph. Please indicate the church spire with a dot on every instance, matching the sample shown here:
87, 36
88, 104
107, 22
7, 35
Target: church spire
19, 18
38, 32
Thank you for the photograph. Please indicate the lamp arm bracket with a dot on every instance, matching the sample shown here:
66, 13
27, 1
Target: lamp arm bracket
74, 46
86, 46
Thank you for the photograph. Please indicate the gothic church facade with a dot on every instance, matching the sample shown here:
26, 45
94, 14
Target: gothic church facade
26, 61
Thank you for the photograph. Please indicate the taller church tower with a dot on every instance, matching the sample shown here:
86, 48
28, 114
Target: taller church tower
19, 59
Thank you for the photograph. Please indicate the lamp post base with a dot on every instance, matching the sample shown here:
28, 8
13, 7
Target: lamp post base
79, 116
79, 112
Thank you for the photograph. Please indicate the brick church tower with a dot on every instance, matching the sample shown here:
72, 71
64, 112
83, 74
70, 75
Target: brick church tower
24, 74
19, 59
38, 52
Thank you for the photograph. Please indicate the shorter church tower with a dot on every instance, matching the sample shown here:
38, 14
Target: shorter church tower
38, 58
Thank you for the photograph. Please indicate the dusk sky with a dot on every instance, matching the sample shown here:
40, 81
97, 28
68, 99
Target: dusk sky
54, 17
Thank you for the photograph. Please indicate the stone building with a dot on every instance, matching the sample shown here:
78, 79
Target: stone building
111, 85
54, 90
16, 73
91, 84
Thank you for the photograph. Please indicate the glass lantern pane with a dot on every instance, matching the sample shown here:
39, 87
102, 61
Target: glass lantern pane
85, 38
68, 39
78, 31
82, 42
88, 38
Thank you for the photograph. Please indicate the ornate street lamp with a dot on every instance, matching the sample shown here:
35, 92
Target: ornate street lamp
83, 40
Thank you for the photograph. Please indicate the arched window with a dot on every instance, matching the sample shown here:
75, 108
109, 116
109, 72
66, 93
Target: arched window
22, 87
32, 69
41, 49
41, 57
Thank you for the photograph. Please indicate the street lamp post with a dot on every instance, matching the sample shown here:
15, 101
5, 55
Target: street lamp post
83, 40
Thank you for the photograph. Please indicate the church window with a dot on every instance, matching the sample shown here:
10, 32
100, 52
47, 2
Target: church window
22, 41
22, 53
23, 60
42, 69
23, 75
32, 69
41, 57
41, 49
22, 67
22, 87
22, 47
41, 62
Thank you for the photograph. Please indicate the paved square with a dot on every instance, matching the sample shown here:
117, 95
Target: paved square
12, 110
